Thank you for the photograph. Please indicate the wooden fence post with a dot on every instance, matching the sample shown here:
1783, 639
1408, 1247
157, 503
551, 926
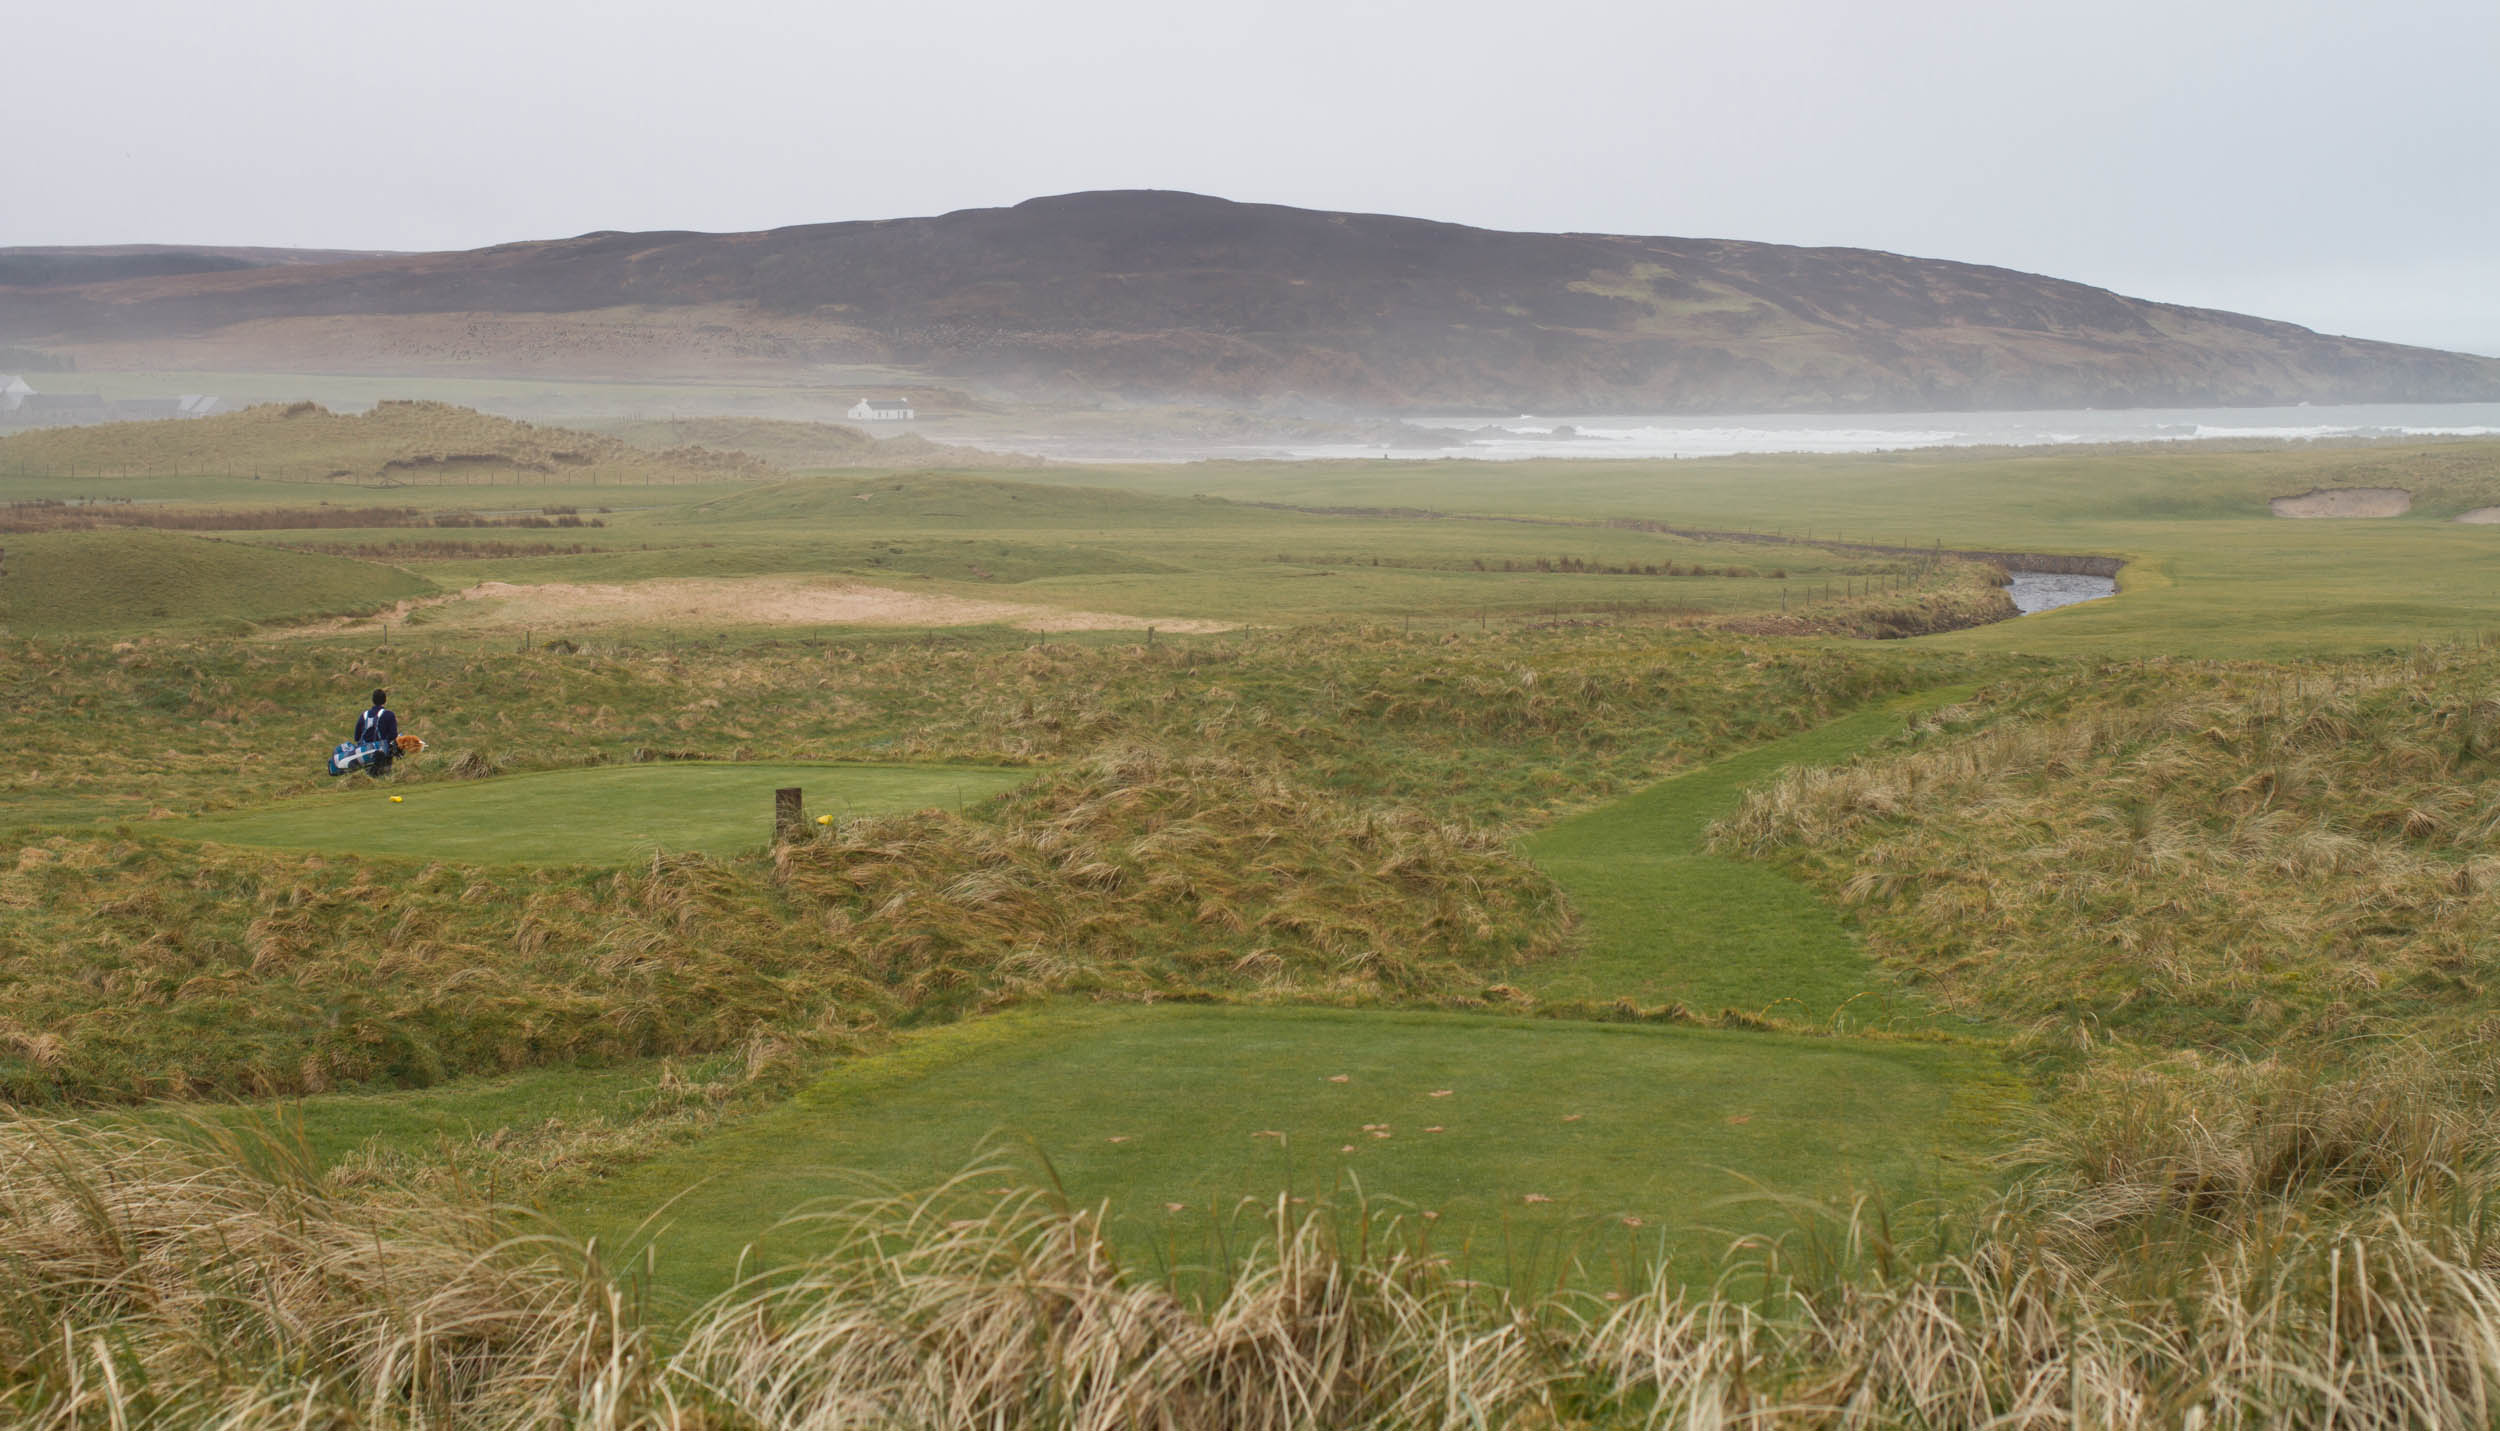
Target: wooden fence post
789, 817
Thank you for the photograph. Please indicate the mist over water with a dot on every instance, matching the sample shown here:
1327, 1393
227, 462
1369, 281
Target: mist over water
1565, 435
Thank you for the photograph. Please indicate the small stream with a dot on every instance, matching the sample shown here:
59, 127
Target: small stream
2036, 591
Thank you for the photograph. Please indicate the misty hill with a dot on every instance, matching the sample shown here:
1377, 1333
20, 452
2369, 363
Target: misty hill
1153, 295
53, 267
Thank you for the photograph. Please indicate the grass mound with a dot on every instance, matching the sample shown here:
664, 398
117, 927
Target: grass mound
1215, 869
406, 443
1502, 731
603, 816
146, 968
2179, 853
789, 444
81, 582
942, 502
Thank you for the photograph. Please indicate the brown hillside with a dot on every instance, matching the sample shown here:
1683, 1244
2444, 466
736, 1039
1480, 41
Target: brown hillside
409, 443
1156, 295
47, 267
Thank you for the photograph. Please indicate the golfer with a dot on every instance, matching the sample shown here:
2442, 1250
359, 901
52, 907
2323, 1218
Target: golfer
378, 725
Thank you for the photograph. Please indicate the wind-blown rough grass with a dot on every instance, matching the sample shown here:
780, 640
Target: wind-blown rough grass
1311, 814
143, 968
159, 1283
1500, 729
2179, 852
1211, 869
156, 1283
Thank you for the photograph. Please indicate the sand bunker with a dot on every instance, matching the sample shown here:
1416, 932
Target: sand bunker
2346, 502
2481, 517
768, 601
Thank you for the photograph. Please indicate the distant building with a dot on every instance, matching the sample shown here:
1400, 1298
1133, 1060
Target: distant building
22, 406
881, 410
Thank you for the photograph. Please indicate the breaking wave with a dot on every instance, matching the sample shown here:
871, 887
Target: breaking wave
1623, 436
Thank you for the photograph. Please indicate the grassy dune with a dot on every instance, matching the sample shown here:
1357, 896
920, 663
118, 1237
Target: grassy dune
144, 967
2176, 853
595, 817
95, 582
801, 445
396, 444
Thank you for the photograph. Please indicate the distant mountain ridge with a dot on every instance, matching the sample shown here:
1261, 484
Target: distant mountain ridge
55, 266
1158, 295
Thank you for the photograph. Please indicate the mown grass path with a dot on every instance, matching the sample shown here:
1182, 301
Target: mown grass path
1666, 921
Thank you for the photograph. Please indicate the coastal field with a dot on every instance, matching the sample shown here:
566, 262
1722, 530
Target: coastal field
2212, 571
1555, 892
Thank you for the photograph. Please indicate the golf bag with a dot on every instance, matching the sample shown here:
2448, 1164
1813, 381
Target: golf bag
374, 755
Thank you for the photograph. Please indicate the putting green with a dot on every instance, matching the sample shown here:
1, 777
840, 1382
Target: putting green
603, 815
1531, 1139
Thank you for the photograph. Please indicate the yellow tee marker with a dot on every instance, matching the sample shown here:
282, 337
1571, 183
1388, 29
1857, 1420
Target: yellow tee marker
396, 799
824, 819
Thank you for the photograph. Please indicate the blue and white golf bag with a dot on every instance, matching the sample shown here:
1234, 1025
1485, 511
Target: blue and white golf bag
356, 755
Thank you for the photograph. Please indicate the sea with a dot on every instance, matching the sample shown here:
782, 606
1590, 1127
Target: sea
1651, 438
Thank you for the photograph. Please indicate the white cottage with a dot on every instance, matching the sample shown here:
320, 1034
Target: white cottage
881, 410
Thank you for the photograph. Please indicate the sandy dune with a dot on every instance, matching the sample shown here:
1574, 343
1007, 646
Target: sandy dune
767, 601
2346, 502
2481, 517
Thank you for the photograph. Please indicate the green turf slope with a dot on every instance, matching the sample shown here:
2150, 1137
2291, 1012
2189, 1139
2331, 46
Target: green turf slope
605, 815
324, 1129
1548, 1135
1666, 921
78, 583
1171, 1116
926, 502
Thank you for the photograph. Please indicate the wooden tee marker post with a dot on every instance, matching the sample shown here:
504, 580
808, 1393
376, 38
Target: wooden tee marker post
788, 818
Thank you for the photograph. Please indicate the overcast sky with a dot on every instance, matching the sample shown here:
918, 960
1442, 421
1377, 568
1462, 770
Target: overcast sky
2334, 164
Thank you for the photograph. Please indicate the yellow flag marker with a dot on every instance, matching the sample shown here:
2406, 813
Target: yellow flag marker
396, 799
